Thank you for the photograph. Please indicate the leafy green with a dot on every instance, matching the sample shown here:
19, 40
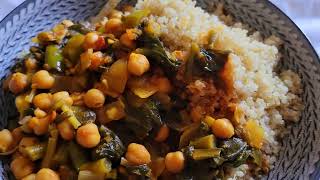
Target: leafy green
84, 115
152, 47
212, 61
141, 120
140, 170
110, 147
232, 148
80, 28
134, 19
77, 155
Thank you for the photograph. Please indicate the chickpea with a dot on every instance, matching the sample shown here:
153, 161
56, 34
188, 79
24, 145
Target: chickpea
6, 140
93, 41
27, 141
137, 154
62, 96
94, 98
39, 113
115, 14
164, 85
162, 134
30, 177
125, 40
39, 126
88, 135
17, 135
18, 82
21, 103
222, 128
66, 130
42, 80
47, 174
31, 64
114, 26
21, 167
43, 101
174, 162
138, 64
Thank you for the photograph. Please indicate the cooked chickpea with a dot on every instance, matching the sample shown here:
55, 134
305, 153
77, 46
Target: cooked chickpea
164, 85
125, 40
27, 141
162, 134
88, 135
30, 177
62, 96
90, 40
21, 103
94, 98
21, 167
138, 64
222, 128
43, 101
17, 135
66, 130
115, 14
39, 113
18, 82
137, 154
174, 162
39, 126
42, 80
6, 140
114, 26
47, 174
31, 64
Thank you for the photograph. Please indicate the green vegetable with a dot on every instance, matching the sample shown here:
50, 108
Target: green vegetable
28, 112
152, 48
73, 48
77, 155
232, 148
71, 117
101, 166
141, 120
212, 61
83, 114
71, 84
190, 65
140, 170
80, 28
188, 134
35, 152
51, 149
53, 57
88, 175
200, 154
61, 156
111, 147
134, 19
206, 142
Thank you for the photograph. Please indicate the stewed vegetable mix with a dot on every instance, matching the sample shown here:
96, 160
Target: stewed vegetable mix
109, 101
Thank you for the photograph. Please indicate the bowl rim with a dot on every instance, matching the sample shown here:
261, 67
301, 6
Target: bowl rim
313, 53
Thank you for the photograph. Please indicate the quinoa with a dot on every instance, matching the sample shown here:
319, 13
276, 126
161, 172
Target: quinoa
264, 96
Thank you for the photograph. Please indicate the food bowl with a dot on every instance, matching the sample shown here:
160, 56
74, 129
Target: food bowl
299, 153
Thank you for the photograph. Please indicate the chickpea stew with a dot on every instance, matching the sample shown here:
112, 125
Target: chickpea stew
110, 101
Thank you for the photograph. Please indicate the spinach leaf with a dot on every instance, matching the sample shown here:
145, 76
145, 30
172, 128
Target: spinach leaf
152, 47
141, 120
111, 147
140, 170
212, 61
232, 148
